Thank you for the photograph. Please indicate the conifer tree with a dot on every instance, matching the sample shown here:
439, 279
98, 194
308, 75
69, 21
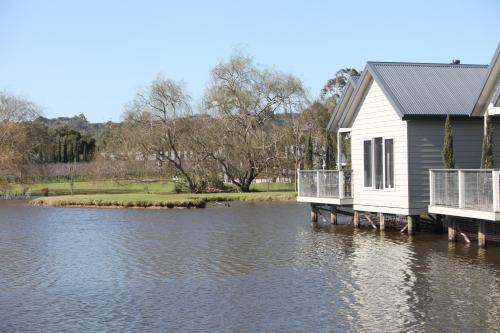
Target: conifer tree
329, 152
447, 152
487, 155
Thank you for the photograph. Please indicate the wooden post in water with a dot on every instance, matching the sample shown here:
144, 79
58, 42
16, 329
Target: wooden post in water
481, 233
412, 224
452, 231
381, 219
333, 214
314, 216
356, 219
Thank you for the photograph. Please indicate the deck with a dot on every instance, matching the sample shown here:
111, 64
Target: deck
331, 187
466, 193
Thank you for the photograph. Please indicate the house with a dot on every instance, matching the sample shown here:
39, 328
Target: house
394, 114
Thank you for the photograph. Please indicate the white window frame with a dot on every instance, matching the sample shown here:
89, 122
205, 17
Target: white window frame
384, 185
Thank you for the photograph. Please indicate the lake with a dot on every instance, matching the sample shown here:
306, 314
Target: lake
251, 267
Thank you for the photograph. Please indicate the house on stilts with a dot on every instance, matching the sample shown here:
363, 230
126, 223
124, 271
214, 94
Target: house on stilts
394, 115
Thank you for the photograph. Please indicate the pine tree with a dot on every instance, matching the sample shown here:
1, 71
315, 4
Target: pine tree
308, 155
447, 152
487, 155
329, 153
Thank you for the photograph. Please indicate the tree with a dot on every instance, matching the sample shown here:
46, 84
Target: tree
308, 155
447, 151
332, 90
487, 151
243, 100
16, 146
330, 152
162, 115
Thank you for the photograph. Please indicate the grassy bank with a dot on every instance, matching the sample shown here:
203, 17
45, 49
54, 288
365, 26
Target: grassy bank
145, 200
58, 188
97, 187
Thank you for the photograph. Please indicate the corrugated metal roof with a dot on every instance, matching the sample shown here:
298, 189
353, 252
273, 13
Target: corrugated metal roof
426, 90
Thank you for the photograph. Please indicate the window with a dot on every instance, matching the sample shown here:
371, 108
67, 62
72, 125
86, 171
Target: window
367, 163
378, 162
389, 162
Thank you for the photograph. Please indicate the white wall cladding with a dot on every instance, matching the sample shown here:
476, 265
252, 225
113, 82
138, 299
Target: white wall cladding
377, 118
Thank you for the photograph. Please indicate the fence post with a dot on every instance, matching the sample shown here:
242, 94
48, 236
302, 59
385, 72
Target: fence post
298, 182
341, 184
317, 184
461, 189
431, 187
496, 190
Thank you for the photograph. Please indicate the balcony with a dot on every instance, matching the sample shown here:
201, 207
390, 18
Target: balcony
325, 186
466, 193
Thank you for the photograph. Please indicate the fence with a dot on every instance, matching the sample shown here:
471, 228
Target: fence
324, 183
467, 189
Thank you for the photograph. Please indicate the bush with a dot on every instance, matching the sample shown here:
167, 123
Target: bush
45, 192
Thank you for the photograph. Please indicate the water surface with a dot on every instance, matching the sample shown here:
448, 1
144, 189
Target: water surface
250, 267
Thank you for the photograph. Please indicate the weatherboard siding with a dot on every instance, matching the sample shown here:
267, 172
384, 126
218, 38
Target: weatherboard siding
425, 141
377, 118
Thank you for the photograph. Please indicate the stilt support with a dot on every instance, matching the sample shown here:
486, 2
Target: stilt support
333, 214
452, 230
314, 216
412, 224
481, 234
381, 219
356, 219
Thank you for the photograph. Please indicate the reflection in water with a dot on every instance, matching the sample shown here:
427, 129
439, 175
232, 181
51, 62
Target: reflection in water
251, 267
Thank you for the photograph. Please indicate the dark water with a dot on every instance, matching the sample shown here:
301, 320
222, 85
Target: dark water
251, 267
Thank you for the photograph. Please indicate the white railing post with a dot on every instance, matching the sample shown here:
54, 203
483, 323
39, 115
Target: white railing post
496, 190
461, 189
298, 182
431, 187
341, 184
317, 184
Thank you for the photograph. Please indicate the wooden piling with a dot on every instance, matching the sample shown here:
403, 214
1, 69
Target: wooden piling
481, 234
333, 214
412, 224
356, 219
452, 230
314, 216
381, 221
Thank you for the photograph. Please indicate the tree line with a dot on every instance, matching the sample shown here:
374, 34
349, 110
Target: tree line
252, 121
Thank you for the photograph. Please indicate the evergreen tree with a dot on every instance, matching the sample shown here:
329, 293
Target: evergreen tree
329, 153
447, 152
308, 155
487, 155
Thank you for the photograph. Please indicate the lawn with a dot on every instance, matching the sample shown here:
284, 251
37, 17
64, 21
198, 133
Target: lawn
97, 187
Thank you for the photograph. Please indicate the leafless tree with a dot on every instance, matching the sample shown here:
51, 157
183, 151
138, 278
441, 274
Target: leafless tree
242, 100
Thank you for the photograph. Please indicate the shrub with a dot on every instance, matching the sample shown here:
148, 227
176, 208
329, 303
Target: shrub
45, 192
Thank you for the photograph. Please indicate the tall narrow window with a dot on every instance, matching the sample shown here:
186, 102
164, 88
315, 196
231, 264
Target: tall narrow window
367, 162
389, 163
378, 163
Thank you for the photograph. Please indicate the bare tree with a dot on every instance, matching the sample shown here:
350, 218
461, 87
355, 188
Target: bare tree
242, 100
15, 144
163, 115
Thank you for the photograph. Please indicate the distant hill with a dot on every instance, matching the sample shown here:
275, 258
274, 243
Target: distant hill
79, 123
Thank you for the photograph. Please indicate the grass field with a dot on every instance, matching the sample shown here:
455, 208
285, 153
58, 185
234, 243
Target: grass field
98, 187
125, 186
159, 200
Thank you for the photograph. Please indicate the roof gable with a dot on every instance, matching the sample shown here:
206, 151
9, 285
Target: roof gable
343, 102
429, 90
490, 90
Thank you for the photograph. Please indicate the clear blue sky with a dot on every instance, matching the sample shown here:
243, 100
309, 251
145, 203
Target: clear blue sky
90, 57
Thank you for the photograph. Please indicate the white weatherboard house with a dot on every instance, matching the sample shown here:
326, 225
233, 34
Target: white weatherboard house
395, 114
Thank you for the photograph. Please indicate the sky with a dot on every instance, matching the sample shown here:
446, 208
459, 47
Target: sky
91, 57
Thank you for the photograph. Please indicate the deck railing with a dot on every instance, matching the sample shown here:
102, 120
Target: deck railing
465, 188
325, 183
